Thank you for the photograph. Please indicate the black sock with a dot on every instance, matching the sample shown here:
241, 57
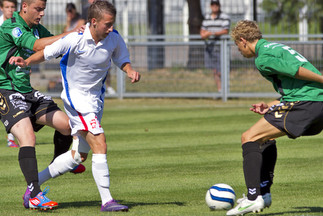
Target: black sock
252, 161
269, 157
62, 143
28, 165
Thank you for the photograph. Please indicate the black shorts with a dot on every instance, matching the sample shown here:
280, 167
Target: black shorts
15, 106
302, 118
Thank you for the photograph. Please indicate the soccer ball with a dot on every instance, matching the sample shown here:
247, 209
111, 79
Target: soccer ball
220, 196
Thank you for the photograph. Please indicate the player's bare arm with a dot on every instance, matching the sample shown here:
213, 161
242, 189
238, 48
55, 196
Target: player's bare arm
262, 107
305, 74
36, 58
42, 42
132, 74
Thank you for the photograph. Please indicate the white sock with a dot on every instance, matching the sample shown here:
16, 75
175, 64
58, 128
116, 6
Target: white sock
62, 164
101, 176
11, 137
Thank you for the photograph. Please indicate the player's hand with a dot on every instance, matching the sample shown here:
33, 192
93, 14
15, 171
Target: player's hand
81, 29
133, 75
260, 108
18, 61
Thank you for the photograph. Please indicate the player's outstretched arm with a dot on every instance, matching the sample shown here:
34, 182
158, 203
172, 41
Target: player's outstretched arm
132, 74
33, 59
42, 42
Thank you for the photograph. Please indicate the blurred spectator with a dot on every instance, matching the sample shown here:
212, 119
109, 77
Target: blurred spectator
85, 8
73, 18
213, 26
7, 8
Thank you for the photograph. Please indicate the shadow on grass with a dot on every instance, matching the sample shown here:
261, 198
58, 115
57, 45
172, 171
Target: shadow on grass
133, 204
129, 204
299, 211
79, 204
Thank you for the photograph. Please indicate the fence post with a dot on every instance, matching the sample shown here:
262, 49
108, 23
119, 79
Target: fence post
224, 69
120, 83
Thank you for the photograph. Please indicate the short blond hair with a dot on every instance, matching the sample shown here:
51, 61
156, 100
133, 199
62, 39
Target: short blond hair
249, 30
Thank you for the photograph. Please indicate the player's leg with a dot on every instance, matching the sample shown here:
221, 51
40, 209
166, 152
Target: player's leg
66, 161
17, 109
62, 143
252, 141
100, 170
27, 153
269, 157
28, 163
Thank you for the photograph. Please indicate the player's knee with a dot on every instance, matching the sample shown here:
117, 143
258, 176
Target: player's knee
64, 128
245, 137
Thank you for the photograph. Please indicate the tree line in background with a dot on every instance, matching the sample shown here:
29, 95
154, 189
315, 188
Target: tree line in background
277, 12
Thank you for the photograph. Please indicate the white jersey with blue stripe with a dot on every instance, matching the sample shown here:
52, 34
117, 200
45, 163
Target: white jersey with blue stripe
85, 65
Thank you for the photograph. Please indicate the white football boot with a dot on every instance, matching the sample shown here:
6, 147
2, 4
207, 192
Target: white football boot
266, 197
245, 206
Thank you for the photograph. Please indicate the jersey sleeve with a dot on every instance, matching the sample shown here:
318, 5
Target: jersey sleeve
60, 46
270, 65
120, 54
20, 37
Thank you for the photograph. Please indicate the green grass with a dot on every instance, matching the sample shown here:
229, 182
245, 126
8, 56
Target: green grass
164, 154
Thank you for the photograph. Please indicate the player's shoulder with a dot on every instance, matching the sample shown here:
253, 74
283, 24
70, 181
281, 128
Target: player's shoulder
11, 23
73, 37
114, 35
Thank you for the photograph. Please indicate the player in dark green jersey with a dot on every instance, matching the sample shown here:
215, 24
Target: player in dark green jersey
23, 109
298, 112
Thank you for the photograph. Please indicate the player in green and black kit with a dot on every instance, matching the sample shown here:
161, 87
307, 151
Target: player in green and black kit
298, 112
23, 109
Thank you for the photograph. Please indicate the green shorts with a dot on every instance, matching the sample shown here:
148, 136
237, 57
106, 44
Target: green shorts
301, 118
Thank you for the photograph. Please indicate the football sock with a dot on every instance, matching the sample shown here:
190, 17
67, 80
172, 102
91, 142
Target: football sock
101, 176
62, 143
28, 165
269, 158
62, 164
252, 160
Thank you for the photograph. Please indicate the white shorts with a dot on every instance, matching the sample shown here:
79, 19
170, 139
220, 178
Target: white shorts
84, 121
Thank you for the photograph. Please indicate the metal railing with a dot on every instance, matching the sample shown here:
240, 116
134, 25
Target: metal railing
165, 64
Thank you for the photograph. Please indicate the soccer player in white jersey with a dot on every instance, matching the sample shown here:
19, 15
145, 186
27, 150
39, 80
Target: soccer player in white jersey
87, 58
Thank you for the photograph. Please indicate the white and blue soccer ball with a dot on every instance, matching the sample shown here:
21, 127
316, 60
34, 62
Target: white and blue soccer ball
220, 196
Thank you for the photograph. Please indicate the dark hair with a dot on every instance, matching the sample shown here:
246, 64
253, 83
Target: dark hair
13, 1
99, 7
29, 2
70, 7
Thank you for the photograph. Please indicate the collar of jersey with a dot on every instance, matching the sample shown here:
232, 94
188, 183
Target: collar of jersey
21, 20
258, 45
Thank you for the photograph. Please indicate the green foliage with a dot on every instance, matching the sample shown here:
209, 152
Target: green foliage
164, 154
278, 11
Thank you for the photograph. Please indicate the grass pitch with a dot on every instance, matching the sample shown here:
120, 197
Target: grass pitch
164, 154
